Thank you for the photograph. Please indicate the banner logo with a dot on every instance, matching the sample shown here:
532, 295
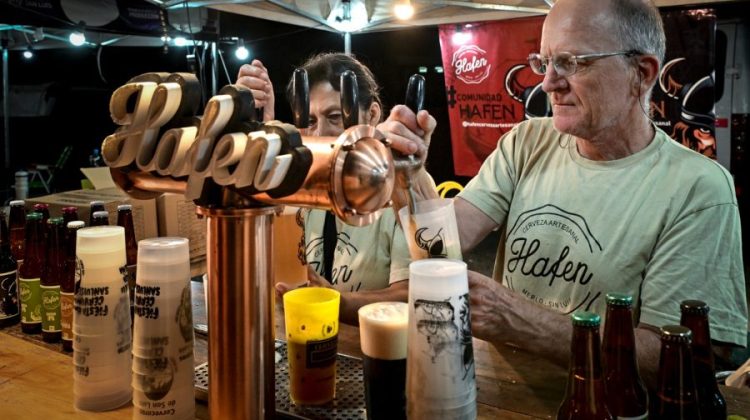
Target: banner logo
470, 64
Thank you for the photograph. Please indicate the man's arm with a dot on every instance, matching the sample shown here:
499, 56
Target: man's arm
352, 301
502, 317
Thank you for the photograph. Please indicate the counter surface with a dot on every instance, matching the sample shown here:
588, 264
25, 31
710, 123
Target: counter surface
36, 379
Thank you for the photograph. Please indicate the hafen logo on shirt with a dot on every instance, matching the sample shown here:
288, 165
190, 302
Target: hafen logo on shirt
554, 246
470, 64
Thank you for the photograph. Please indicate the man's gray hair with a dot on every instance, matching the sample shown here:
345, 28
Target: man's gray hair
638, 26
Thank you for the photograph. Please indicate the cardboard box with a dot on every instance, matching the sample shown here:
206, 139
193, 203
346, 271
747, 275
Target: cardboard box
177, 217
144, 211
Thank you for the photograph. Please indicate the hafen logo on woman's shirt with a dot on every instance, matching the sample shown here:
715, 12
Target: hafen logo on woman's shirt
470, 64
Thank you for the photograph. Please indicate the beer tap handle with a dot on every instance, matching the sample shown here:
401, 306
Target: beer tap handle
301, 100
349, 100
415, 93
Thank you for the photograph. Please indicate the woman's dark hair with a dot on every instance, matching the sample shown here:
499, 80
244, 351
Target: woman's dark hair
327, 67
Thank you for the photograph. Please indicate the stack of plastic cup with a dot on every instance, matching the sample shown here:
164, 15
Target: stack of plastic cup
163, 331
101, 321
440, 379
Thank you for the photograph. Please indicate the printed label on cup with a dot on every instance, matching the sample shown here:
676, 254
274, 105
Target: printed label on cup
321, 353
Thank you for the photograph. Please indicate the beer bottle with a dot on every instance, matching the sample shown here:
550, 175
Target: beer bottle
676, 394
585, 397
125, 219
67, 285
44, 210
695, 317
50, 282
626, 394
94, 207
9, 314
100, 218
29, 275
17, 222
69, 214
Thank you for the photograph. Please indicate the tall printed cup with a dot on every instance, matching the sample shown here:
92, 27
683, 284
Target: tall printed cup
101, 321
311, 315
163, 331
431, 232
440, 379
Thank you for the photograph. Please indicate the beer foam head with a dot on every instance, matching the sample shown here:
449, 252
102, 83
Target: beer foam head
437, 279
382, 330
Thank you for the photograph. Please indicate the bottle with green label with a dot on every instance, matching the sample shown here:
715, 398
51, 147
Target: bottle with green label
29, 275
50, 282
9, 313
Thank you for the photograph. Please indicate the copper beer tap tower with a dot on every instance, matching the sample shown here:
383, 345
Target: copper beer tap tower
353, 175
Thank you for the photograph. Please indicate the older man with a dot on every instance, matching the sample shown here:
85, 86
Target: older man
597, 199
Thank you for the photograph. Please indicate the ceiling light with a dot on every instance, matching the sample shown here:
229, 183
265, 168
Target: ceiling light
77, 37
180, 41
241, 52
403, 10
28, 53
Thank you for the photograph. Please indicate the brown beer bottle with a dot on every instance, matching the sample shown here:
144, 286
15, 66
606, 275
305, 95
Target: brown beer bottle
125, 219
50, 282
100, 218
695, 317
17, 222
67, 284
9, 313
69, 214
94, 207
676, 395
626, 394
585, 397
29, 275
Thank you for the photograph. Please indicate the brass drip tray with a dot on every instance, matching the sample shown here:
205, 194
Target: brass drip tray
350, 393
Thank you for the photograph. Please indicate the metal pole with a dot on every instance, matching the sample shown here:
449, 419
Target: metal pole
240, 313
214, 70
6, 107
347, 43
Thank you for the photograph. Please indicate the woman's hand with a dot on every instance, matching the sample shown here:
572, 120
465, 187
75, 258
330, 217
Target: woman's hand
254, 76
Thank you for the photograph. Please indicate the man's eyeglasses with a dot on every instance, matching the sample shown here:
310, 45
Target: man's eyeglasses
566, 64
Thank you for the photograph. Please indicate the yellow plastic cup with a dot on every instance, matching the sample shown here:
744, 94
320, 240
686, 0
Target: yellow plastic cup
312, 327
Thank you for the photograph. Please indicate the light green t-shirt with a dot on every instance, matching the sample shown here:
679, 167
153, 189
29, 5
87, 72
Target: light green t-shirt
366, 258
662, 225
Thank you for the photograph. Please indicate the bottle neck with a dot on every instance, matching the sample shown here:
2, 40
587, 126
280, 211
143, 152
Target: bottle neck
676, 381
618, 345
584, 354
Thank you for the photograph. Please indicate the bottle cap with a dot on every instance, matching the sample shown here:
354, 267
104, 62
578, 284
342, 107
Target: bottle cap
34, 216
55, 221
76, 224
15, 203
70, 209
694, 307
41, 206
96, 203
123, 207
676, 333
586, 319
101, 213
619, 299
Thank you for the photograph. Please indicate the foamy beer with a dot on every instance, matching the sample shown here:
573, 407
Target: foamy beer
382, 334
440, 380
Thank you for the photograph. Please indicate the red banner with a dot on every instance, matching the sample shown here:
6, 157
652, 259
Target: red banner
489, 85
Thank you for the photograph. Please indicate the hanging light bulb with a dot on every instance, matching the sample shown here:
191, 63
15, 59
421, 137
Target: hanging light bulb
28, 53
403, 10
77, 37
241, 52
180, 41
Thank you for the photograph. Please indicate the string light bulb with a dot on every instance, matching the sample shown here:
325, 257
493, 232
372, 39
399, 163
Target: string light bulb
241, 52
403, 10
77, 37
28, 53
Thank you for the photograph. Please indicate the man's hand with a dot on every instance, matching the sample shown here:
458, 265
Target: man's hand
254, 76
485, 295
409, 134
